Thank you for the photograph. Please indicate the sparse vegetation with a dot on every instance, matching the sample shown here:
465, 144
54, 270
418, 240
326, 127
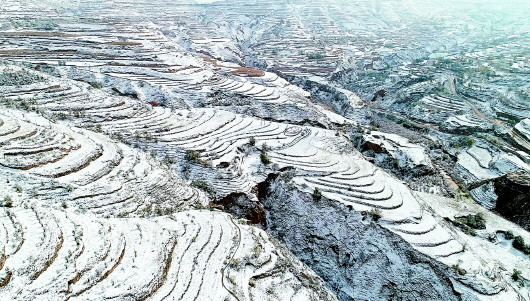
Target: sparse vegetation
203, 185
317, 195
474, 221
460, 271
519, 244
8, 201
264, 157
168, 160
192, 156
256, 250
234, 263
376, 214
37, 23
26, 104
18, 78
96, 85
516, 275
315, 56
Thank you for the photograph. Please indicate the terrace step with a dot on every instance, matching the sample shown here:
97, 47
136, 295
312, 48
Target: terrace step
194, 255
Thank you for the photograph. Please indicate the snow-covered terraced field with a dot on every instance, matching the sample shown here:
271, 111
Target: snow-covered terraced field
195, 255
88, 171
320, 159
484, 161
329, 165
114, 138
401, 149
520, 110
143, 61
441, 103
466, 122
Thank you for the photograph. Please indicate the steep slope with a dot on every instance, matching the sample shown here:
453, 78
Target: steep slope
221, 129
223, 156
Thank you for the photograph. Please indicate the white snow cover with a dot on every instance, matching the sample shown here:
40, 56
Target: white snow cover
75, 229
400, 148
193, 255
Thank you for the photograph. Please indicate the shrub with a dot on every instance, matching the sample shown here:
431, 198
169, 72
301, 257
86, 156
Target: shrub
203, 185
256, 250
462, 141
69, 188
469, 231
460, 271
118, 137
158, 211
8, 202
78, 113
317, 195
475, 221
169, 160
519, 244
146, 211
315, 56
509, 235
234, 263
18, 78
18, 188
433, 145
376, 214
185, 170
192, 156
251, 283
122, 214
516, 275
470, 142
264, 157
252, 141
62, 116
96, 85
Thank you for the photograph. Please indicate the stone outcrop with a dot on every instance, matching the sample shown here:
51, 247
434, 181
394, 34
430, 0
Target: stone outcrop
513, 202
356, 257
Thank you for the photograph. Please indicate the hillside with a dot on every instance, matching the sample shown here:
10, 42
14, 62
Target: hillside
154, 156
